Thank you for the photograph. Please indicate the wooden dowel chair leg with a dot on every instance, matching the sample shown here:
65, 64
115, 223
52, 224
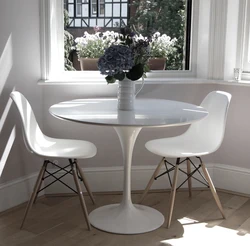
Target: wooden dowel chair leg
85, 182
80, 194
157, 170
41, 181
34, 193
213, 190
189, 180
173, 193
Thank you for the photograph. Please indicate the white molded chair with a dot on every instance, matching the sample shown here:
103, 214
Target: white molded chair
201, 138
47, 147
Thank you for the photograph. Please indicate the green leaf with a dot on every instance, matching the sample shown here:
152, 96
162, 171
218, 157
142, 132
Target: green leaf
110, 79
120, 76
135, 72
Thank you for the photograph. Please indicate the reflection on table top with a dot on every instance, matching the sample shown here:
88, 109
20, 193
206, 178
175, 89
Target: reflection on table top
147, 112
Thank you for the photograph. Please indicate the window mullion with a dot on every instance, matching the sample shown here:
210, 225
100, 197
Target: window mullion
217, 39
52, 25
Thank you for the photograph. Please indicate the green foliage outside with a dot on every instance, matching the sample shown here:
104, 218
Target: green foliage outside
68, 44
164, 16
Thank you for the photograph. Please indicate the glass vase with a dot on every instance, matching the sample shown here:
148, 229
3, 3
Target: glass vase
126, 94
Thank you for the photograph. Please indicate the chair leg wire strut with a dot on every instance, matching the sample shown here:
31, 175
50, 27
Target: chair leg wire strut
206, 180
74, 170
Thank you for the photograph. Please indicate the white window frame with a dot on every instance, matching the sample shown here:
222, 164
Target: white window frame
52, 43
243, 49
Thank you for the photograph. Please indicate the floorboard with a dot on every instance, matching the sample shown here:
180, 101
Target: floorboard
196, 221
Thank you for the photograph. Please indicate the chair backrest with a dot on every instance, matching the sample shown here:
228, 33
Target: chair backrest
31, 129
210, 131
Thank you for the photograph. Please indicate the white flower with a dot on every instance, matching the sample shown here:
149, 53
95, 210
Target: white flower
94, 45
161, 45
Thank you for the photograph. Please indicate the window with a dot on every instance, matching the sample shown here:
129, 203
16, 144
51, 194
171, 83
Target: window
104, 13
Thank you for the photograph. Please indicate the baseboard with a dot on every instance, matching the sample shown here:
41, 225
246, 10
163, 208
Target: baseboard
16, 192
232, 178
110, 179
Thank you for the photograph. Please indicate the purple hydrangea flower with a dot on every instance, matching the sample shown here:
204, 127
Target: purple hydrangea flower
116, 59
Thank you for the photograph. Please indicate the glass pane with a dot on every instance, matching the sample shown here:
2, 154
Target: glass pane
77, 22
116, 22
100, 22
108, 10
93, 9
85, 10
146, 16
116, 10
171, 19
124, 10
78, 10
71, 10
92, 22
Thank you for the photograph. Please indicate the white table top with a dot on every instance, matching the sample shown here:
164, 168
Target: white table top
147, 112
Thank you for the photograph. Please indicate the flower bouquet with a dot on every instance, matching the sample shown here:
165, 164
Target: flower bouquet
126, 58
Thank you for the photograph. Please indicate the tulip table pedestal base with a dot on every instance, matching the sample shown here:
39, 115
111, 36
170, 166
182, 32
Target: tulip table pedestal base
126, 219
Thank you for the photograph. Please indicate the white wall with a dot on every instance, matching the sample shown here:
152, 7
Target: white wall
19, 68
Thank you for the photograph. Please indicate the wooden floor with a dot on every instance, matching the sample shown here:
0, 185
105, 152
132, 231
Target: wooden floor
59, 221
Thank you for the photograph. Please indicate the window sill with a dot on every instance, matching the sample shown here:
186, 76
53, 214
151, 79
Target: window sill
101, 81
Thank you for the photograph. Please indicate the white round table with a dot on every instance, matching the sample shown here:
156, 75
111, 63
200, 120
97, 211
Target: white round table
126, 217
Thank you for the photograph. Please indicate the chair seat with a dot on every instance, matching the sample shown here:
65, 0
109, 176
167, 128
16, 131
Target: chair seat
178, 147
64, 148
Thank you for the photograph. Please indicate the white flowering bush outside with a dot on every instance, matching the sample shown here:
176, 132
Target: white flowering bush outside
162, 45
94, 45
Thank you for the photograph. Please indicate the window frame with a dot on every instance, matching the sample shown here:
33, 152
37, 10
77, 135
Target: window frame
243, 46
52, 59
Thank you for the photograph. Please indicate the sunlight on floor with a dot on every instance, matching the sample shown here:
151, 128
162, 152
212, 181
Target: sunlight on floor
197, 234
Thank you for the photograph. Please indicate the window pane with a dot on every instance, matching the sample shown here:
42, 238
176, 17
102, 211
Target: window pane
116, 22
124, 10
92, 22
116, 10
100, 22
85, 10
77, 22
71, 10
171, 18
108, 10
